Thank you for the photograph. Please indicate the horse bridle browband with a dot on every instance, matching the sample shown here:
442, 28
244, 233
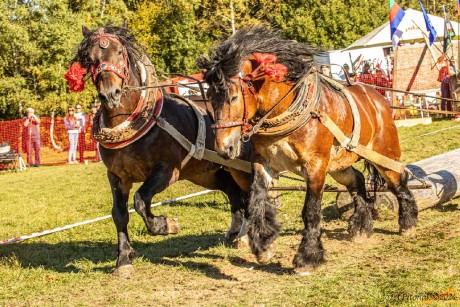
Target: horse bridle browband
121, 69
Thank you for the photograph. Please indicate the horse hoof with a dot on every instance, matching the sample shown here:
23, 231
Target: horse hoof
125, 271
359, 238
408, 232
304, 271
266, 256
173, 226
241, 242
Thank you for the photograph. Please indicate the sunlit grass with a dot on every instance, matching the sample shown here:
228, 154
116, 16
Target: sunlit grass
194, 267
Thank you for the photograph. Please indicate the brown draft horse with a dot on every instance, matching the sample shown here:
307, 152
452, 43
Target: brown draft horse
115, 59
255, 78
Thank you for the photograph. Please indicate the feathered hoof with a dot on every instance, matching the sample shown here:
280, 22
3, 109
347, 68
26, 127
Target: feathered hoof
266, 256
241, 242
409, 232
173, 226
124, 271
304, 271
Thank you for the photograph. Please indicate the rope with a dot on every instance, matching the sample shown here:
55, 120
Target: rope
50, 231
433, 132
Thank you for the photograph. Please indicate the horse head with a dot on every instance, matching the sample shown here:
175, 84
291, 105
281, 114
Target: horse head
251, 77
110, 54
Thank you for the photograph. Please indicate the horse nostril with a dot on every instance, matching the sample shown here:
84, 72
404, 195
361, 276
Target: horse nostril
117, 93
102, 97
230, 149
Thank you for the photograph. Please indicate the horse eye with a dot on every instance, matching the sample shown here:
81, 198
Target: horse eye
120, 52
233, 99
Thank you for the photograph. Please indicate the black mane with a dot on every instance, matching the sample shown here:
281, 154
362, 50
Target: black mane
225, 60
133, 47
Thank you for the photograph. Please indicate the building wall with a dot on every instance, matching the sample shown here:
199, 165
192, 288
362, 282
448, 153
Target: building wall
415, 68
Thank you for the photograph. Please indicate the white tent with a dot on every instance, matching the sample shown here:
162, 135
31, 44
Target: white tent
412, 22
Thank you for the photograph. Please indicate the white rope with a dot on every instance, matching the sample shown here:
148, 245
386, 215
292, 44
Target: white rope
49, 231
433, 132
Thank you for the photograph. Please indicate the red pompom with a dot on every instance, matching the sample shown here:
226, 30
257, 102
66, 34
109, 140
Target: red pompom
74, 77
276, 71
263, 58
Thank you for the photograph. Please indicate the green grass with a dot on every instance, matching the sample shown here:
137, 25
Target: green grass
192, 268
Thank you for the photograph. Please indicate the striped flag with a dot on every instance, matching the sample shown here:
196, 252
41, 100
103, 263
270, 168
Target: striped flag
458, 7
429, 26
449, 32
396, 16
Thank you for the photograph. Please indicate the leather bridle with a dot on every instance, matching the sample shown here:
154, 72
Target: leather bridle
121, 69
246, 85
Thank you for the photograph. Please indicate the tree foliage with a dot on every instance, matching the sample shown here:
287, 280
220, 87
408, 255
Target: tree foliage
38, 37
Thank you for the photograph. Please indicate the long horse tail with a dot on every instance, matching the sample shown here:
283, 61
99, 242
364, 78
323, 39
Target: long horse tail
373, 176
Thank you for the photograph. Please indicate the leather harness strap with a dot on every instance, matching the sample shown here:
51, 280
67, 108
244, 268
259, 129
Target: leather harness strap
359, 149
354, 139
208, 155
140, 122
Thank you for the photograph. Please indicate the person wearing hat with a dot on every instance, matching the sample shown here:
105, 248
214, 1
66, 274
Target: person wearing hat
346, 72
32, 123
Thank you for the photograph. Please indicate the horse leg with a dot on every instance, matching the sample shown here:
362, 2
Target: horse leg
311, 252
360, 223
238, 199
120, 214
408, 211
161, 178
263, 227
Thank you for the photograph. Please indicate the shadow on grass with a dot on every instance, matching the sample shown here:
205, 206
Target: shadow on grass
61, 257
446, 207
272, 267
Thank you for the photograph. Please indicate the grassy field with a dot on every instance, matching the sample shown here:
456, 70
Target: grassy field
193, 268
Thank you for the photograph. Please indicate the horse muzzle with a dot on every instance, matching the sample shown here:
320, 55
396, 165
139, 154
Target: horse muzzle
111, 99
229, 147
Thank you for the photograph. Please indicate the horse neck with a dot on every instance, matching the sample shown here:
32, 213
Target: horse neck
271, 93
129, 101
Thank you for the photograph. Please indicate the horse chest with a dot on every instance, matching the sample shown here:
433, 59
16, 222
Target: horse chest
280, 156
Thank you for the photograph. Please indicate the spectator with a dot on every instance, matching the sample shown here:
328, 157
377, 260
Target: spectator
366, 69
381, 80
366, 76
72, 125
444, 78
81, 135
346, 72
326, 70
93, 143
32, 123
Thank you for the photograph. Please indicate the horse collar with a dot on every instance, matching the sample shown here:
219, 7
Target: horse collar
140, 121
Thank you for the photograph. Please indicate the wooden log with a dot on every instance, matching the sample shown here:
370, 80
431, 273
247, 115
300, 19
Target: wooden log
441, 171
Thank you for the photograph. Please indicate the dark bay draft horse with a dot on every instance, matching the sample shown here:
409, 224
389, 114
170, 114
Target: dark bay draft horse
133, 146
267, 89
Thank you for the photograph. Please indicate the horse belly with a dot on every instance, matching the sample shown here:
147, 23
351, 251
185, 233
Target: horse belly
281, 157
341, 159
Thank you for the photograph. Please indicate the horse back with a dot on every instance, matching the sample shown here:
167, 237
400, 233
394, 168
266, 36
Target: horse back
378, 130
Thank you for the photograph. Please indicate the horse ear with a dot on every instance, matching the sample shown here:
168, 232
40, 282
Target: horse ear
125, 23
85, 31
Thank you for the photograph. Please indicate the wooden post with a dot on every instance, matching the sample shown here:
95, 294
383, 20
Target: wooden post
441, 171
